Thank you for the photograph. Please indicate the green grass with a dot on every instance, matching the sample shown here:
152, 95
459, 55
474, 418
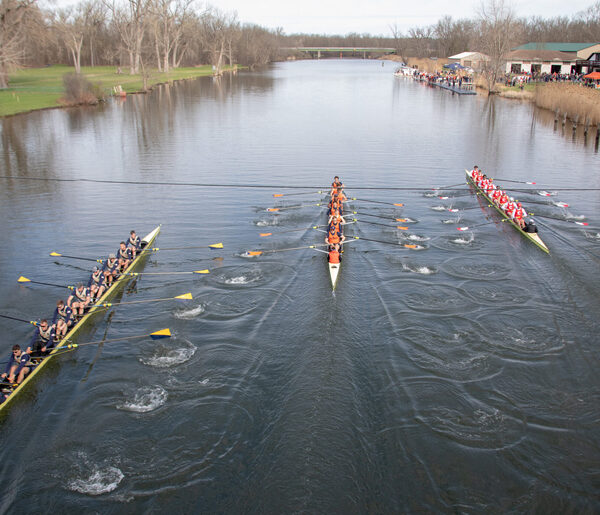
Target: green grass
40, 88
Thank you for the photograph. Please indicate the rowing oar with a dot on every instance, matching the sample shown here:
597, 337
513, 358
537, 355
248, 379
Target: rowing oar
260, 252
375, 201
379, 216
213, 246
294, 194
509, 180
156, 335
135, 274
479, 225
185, 296
275, 209
450, 186
384, 225
389, 242
265, 234
32, 322
25, 280
56, 254
558, 219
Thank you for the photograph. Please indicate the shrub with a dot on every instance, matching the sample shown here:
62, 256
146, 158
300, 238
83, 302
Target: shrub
578, 102
79, 90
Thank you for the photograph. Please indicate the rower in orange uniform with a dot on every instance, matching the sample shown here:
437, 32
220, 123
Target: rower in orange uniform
334, 235
336, 184
334, 254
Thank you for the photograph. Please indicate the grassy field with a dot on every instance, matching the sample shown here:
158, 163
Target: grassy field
40, 88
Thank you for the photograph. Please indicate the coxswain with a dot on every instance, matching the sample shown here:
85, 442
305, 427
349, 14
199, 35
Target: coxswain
110, 269
42, 341
334, 235
16, 366
63, 319
530, 226
79, 299
96, 284
334, 254
336, 184
124, 255
134, 244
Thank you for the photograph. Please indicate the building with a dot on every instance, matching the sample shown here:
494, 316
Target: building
563, 58
473, 60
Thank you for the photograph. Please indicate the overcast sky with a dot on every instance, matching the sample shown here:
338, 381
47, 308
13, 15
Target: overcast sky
374, 16
369, 16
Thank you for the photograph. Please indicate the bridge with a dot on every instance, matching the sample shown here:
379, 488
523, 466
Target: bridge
342, 50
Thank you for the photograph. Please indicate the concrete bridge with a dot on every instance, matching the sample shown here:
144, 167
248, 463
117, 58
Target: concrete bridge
317, 51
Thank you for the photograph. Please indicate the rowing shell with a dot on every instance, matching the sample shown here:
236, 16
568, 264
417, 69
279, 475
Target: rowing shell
146, 244
334, 270
531, 236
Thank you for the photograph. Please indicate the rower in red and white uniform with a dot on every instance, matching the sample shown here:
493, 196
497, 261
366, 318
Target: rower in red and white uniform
490, 188
475, 172
509, 207
519, 214
504, 200
496, 195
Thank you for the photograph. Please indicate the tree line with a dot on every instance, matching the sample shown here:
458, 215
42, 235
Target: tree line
166, 34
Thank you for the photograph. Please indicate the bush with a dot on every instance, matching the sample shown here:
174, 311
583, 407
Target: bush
79, 90
578, 102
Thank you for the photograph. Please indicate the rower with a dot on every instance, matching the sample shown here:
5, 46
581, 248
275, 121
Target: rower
42, 341
509, 206
503, 201
124, 255
96, 284
134, 243
496, 195
341, 196
79, 299
475, 172
334, 235
16, 366
336, 184
110, 269
334, 256
335, 201
63, 318
336, 219
518, 215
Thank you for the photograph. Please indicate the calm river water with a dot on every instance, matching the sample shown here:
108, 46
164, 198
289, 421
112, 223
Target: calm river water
462, 377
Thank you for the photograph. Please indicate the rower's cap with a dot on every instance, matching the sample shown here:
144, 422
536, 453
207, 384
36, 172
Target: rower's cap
512, 198
112, 256
518, 204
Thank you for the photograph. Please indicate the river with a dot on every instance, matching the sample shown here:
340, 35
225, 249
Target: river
459, 377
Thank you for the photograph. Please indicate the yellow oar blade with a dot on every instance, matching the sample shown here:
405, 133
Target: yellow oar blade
23, 280
163, 333
55, 254
207, 271
402, 228
263, 234
399, 205
216, 246
185, 296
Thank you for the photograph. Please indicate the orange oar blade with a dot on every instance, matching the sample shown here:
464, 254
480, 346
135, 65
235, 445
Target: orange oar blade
402, 228
254, 253
272, 209
399, 205
263, 234
411, 246
278, 194
401, 219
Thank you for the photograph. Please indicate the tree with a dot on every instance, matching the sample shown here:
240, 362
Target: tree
130, 22
14, 17
70, 25
168, 22
498, 30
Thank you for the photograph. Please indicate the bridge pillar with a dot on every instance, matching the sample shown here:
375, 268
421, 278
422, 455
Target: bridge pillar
364, 55
318, 54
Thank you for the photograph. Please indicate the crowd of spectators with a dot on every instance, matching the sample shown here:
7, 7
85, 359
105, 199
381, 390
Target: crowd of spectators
525, 78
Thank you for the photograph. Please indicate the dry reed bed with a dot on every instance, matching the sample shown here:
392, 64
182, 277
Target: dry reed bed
578, 102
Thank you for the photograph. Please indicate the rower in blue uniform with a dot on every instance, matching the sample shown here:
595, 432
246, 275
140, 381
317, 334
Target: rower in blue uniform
16, 366
63, 319
42, 341
96, 284
110, 269
134, 244
124, 256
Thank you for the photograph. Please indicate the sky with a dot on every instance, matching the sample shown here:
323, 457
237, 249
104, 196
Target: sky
369, 16
375, 16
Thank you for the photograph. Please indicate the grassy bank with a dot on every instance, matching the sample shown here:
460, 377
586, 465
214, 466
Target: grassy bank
577, 102
41, 88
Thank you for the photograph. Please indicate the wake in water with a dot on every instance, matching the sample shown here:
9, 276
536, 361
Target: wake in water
592, 236
92, 478
439, 208
464, 240
267, 223
145, 399
419, 269
451, 221
191, 313
413, 237
165, 357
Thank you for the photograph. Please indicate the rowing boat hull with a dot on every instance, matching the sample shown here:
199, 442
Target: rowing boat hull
147, 242
334, 270
533, 237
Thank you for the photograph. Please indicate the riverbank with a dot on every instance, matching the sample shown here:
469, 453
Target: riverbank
42, 88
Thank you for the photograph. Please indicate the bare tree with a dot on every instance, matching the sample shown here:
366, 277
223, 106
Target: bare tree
400, 42
168, 23
14, 15
422, 39
217, 35
130, 21
70, 25
498, 30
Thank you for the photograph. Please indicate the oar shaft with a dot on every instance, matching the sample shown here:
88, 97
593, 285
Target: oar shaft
50, 284
33, 322
81, 258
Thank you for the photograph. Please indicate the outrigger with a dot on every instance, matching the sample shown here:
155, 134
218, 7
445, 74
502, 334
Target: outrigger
67, 341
